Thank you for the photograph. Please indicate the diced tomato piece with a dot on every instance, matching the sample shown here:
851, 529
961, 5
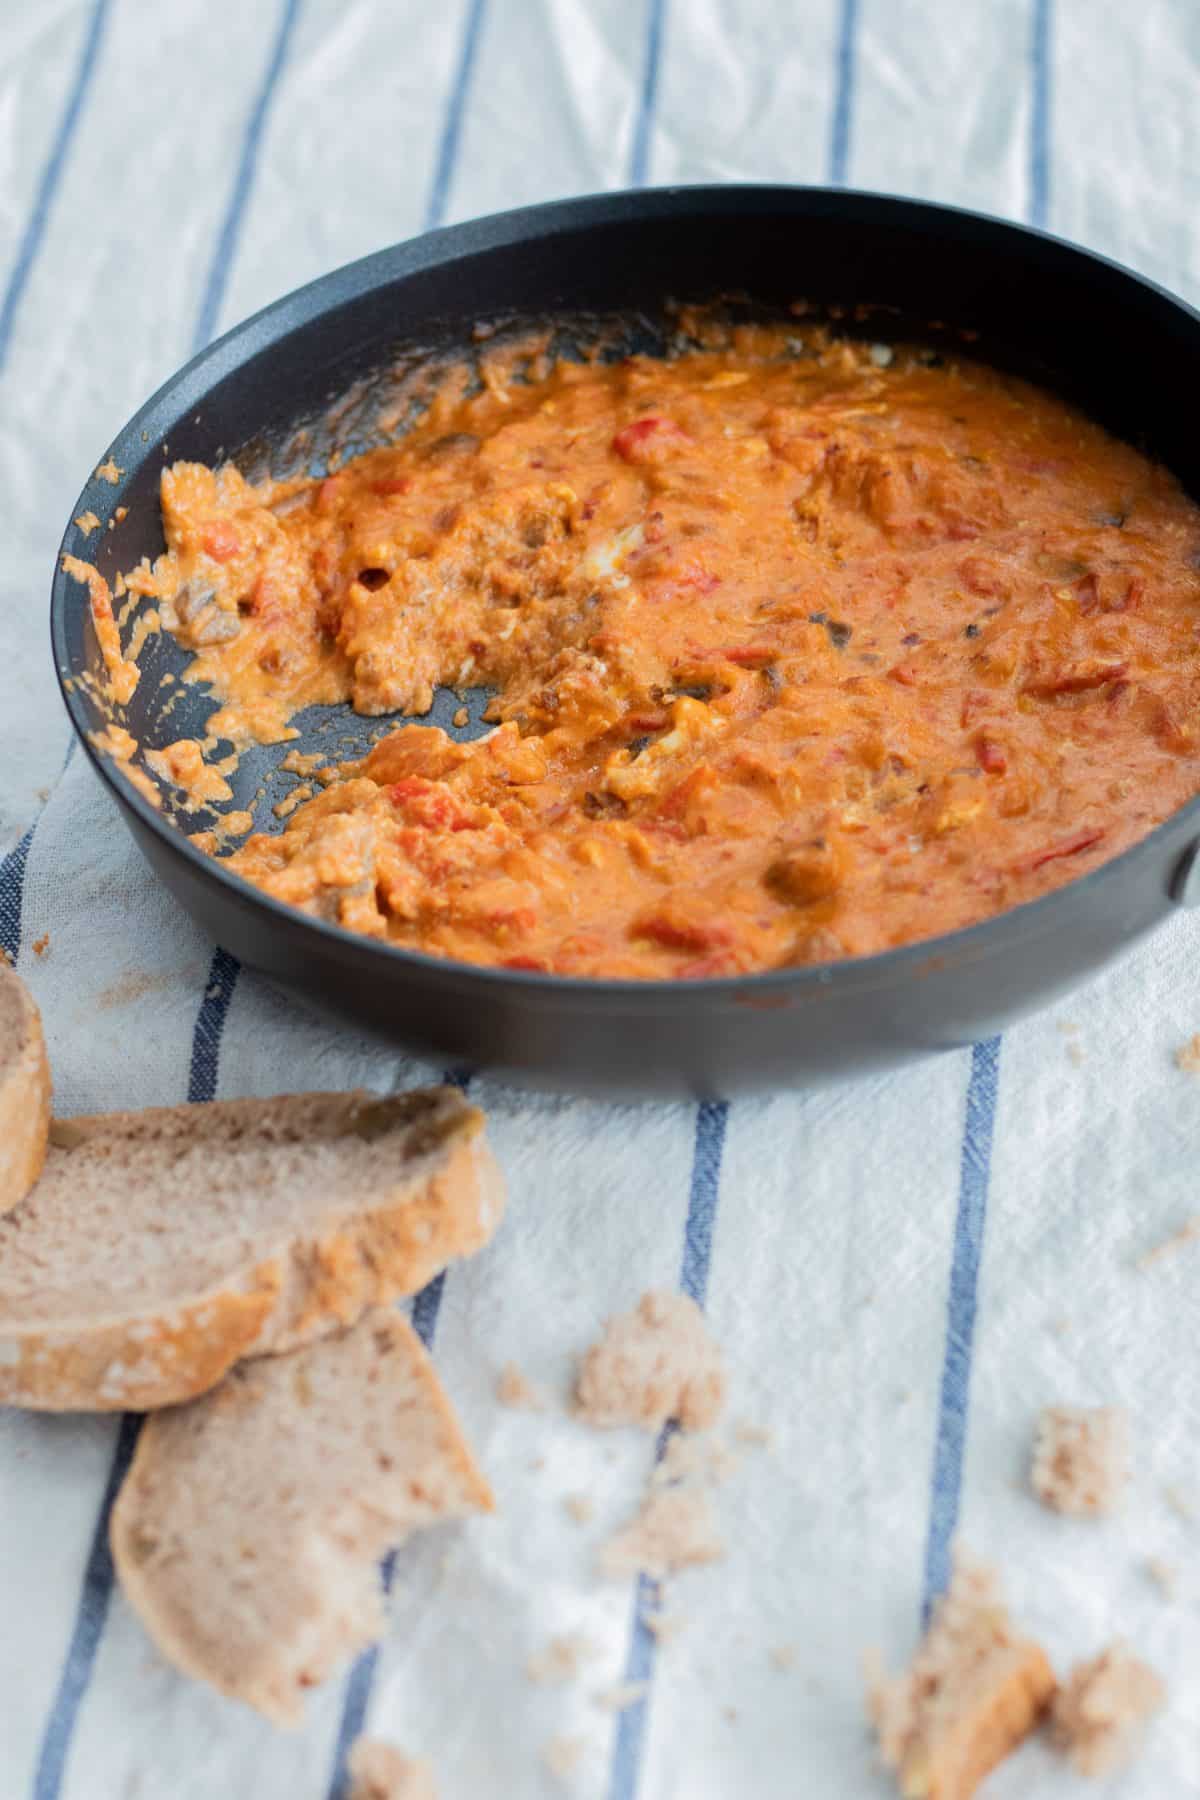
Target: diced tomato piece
904, 673
647, 721
748, 656
683, 934
1069, 846
533, 963
979, 577
990, 756
396, 484
696, 576
220, 541
648, 440
425, 803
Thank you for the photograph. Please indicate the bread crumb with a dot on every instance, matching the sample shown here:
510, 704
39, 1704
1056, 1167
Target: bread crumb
1187, 1057
1187, 1233
627, 1693
1100, 1709
87, 523
1067, 1026
42, 944
754, 1437
1058, 1327
655, 1363
1164, 1575
663, 1626
783, 1657
973, 1692
731, 1713
515, 1390
561, 1660
563, 1755
461, 717
108, 471
690, 1458
580, 1507
1081, 1459
1180, 1503
1075, 1055
380, 1771
674, 1529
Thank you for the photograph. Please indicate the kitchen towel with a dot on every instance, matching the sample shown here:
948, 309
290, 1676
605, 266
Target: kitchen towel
902, 1269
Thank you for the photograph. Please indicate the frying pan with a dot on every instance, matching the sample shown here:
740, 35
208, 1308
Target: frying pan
1125, 350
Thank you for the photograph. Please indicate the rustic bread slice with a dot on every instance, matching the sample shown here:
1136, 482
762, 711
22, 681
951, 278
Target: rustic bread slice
247, 1532
24, 1090
161, 1247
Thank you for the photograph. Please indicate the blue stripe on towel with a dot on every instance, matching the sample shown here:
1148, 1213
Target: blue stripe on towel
950, 1443
843, 95
643, 129
451, 138
210, 1023
89, 1625
1041, 96
231, 226
43, 201
711, 1120
12, 868
202, 1076
12, 893
983, 1089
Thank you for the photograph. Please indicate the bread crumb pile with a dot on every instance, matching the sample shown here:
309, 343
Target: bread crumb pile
1081, 1459
655, 1363
974, 1690
1101, 1708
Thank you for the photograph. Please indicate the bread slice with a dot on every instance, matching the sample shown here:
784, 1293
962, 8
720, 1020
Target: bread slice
24, 1090
161, 1247
247, 1532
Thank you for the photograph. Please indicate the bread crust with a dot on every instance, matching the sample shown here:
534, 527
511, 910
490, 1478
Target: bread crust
301, 1290
24, 1090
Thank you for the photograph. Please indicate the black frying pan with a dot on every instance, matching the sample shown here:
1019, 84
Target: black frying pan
1125, 350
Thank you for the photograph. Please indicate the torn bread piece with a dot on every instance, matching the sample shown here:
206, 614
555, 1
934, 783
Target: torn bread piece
1101, 1709
247, 1532
161, 1247
974, 1691
655, 1363
380, 1771
1081, 1459
24, 1090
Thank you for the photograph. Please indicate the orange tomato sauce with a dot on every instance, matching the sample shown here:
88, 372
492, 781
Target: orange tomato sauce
802, 649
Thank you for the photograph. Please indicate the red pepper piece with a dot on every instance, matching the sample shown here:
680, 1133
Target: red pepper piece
748, 656
648, 440
990, 756
1070, 846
